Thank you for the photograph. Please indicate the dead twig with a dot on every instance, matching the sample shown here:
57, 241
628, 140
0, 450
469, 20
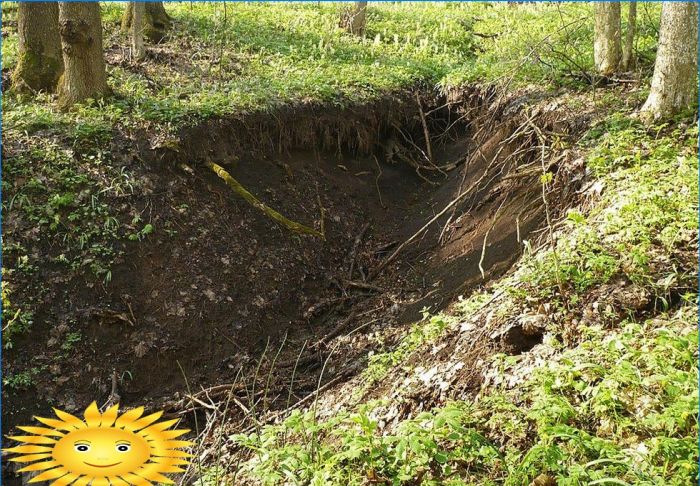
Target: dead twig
376, 182
337, 330
486, 236
113, 397
234, 343
317, 307
426, 132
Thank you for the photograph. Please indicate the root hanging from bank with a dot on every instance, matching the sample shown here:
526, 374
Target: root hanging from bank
255, 202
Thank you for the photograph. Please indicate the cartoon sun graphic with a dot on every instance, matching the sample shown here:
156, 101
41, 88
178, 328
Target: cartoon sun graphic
102, 450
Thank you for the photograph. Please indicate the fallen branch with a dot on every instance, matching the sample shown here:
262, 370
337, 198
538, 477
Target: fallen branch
255, 202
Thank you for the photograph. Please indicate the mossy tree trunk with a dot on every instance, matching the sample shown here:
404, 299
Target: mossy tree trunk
138, 49
84, 77
607, 44
628, 60
40, 62
156, 21
354, 20
674, 84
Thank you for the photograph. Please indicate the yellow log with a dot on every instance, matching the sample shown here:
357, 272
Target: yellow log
255, 202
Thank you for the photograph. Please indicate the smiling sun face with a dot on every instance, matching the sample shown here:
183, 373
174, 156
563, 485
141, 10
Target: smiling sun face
105, 448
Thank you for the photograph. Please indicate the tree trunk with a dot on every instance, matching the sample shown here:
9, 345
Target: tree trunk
354, 20
40, 63
628, 60
85, 77
138, 50
607, 45
156, 22
674, 84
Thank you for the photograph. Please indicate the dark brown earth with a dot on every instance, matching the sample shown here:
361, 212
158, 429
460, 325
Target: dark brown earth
220, 288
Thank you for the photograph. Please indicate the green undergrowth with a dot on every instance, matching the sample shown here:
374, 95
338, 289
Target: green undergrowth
615, 405
643, 225
548, 44
60, 214
225, 59
618, 409
232, 59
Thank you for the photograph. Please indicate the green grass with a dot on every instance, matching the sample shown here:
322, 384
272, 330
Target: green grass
546, 45
223, 60
260, 57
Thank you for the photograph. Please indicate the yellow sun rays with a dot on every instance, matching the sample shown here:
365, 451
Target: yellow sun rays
139, 449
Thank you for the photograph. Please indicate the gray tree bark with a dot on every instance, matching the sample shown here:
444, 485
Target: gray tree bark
607, 45
628, 60
354, 20
156, 23
40, 62
138, 49
85, 76
674, 83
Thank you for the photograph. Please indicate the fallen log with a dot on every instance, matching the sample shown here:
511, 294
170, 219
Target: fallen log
255, 202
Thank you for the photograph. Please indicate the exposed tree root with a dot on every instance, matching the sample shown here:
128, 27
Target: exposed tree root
255, 202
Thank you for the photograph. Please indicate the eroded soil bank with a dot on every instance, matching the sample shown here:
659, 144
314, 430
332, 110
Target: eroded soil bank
218, 291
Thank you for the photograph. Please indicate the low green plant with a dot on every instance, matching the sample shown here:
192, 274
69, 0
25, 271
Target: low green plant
23, 380
15, 321
72, 338
423, 332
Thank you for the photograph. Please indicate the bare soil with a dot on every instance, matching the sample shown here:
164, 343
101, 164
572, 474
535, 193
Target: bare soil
219, 290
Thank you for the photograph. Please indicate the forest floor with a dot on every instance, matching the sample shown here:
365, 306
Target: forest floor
516, 307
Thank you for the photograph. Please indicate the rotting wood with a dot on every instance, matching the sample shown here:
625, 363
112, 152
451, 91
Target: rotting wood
255, 202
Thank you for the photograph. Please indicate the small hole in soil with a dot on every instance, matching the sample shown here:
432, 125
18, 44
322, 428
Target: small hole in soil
515, 341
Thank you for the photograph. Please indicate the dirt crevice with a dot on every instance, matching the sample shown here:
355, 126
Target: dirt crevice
218, 285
